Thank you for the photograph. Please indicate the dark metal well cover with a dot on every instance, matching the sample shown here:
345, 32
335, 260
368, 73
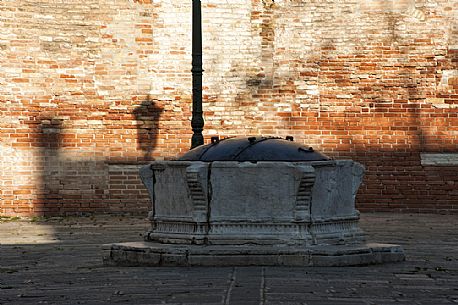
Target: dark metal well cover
253, 149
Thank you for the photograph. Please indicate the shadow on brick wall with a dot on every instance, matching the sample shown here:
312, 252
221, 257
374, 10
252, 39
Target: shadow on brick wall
147, 116
49, 140
74, 178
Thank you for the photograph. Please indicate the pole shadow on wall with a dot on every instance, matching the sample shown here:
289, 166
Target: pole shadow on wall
147, 115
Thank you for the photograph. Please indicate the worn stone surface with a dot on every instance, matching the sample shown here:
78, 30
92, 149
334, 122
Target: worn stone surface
167, 183
335, 189
59, 262
265, 203
159, 254
450, 159
262, 192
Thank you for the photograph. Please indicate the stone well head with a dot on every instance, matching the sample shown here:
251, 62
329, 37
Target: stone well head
255, 190
219, 206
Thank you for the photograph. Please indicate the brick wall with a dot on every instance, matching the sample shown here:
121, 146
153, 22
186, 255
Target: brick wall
90, 90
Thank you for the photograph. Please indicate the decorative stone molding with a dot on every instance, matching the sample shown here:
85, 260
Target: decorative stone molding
357, 178
148, 179
196, 174
304, 193
337, 232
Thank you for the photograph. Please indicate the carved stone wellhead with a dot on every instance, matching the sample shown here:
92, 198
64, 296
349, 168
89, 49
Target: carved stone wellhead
253, 213
257, 203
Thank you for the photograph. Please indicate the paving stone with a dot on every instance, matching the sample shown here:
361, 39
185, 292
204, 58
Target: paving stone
59, 262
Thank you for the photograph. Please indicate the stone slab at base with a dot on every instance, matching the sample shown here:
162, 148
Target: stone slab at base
158, 254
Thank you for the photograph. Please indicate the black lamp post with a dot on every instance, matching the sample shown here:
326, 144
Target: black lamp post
197, 121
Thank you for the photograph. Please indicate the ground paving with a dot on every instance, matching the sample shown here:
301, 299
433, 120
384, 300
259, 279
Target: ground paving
59, 261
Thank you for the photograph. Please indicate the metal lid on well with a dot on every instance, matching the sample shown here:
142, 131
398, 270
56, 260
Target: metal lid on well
253, 149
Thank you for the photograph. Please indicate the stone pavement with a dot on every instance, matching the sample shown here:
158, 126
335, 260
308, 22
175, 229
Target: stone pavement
59, 261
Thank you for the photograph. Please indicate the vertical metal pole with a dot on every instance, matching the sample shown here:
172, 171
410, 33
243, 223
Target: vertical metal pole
197, 121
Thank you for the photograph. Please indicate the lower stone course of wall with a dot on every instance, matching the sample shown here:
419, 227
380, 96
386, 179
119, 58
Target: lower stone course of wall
83, 188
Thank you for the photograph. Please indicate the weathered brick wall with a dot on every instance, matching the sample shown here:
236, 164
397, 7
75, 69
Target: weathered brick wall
92, 89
